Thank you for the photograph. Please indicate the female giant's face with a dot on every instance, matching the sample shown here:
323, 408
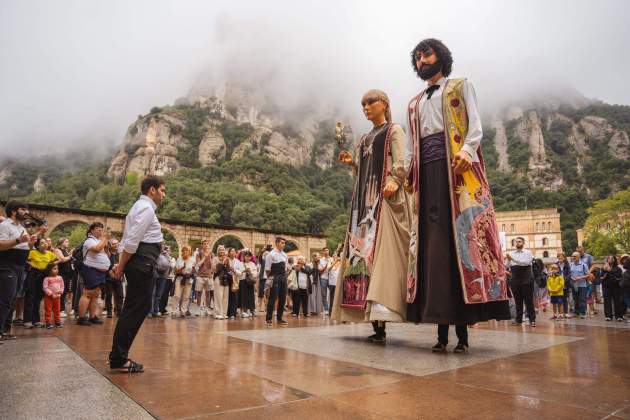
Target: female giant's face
232, 253
373, 108
185, 253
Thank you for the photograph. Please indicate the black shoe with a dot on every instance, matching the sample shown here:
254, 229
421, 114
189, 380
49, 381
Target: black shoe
439, 348
95, 320
49, 326
377, 338
269, 323
84, 321
461, 348
283, 322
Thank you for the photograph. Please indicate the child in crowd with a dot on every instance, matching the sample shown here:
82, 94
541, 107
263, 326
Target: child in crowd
555, 285
53, 289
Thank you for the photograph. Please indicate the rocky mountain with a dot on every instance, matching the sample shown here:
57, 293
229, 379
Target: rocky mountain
555, 145
212, 125
552, 142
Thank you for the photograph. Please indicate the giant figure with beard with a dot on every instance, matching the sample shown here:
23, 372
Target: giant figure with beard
456, 273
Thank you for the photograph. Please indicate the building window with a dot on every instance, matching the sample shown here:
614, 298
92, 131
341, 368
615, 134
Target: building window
513, 243
512, 228
549, 226
502, 228
546, 254
545, 242
537, 226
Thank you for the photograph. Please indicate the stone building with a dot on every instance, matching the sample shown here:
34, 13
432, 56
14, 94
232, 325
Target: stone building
540, 228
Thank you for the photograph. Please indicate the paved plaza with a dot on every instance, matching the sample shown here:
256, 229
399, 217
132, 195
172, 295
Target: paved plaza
314, 368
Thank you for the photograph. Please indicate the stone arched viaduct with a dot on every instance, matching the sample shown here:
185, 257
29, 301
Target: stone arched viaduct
184, 232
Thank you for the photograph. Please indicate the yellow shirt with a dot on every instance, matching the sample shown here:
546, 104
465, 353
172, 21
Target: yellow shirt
555, 284
39, 260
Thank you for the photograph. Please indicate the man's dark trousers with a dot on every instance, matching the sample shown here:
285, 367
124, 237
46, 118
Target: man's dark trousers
278, 291
8, 288
114, 289
140, 275
524, 292
460, 330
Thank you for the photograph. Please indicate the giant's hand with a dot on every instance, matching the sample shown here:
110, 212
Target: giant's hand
346, 157
390, 188
462, 162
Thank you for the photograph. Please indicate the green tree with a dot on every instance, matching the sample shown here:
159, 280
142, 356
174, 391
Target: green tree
611, 216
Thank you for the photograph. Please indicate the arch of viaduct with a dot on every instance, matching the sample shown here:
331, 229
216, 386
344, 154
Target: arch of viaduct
185, 233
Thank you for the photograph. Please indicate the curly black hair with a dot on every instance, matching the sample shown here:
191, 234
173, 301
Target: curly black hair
443, 54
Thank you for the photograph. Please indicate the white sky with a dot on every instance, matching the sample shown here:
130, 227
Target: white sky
77, 73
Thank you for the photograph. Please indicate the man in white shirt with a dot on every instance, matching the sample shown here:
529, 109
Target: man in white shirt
15, 244
139, 250
324, 270
522, 281
276, 268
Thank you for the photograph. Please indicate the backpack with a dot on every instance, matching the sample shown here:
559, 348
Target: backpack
540, 277
78, 256
163, 265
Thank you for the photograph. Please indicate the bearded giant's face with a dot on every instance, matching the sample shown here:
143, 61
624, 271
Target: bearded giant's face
427, 71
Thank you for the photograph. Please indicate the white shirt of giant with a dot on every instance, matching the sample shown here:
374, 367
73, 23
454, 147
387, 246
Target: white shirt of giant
141, 225
432, 119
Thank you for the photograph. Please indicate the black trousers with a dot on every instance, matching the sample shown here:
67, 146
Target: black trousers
460, 330
114, 289
613, 301
278, 292
77, 290
524, 293
140, 276
332, 296
9, 277
167, 288
33, 295
232, 302
300, 299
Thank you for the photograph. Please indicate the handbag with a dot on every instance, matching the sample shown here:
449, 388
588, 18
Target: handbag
250, 279
292, 282
234, 286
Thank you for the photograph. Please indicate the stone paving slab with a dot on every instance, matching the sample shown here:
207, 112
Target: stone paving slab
408, 348
42, 378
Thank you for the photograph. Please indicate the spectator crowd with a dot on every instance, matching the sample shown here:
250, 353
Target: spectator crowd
228, 283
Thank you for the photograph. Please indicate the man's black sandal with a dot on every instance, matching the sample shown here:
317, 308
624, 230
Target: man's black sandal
132, 367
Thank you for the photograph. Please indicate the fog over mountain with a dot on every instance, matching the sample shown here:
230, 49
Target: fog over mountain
75, 74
